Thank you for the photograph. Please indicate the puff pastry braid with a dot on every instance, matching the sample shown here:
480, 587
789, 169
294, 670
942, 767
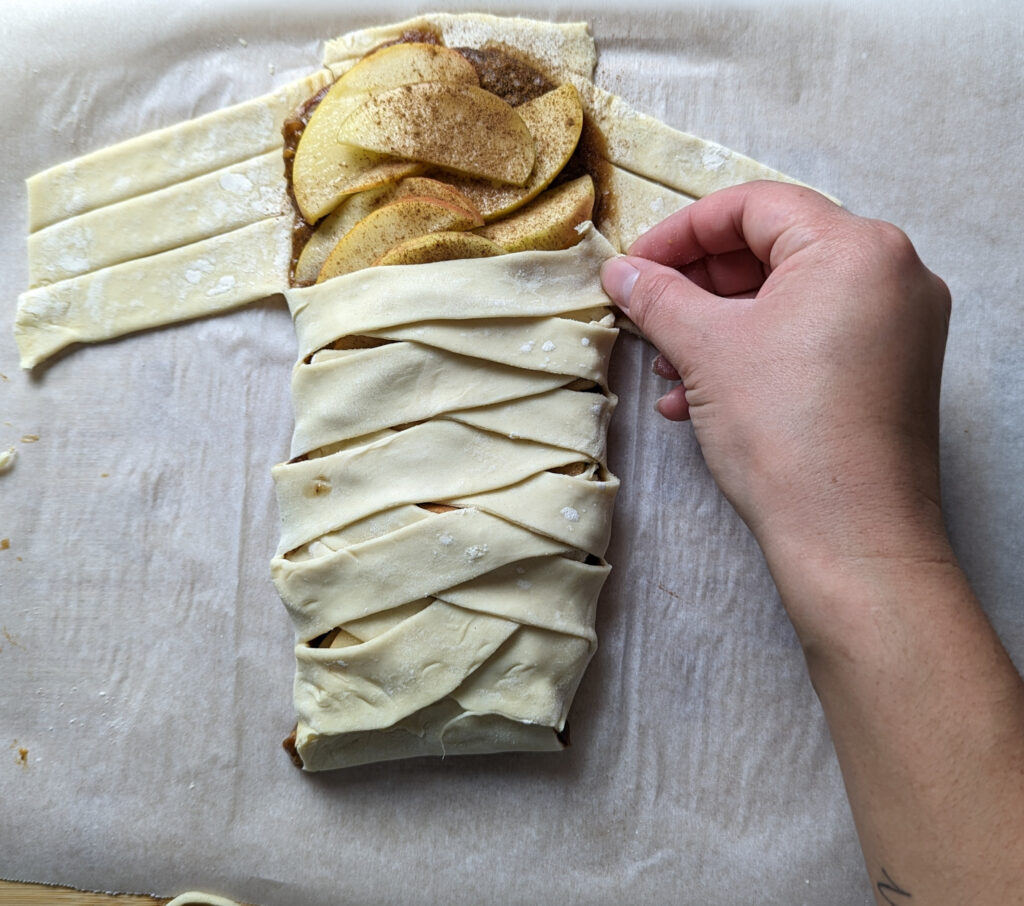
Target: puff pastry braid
443, 527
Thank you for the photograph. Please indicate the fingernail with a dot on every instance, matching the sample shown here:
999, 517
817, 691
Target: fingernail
618, 277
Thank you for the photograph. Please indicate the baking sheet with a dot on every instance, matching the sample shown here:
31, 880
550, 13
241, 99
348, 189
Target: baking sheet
145, 659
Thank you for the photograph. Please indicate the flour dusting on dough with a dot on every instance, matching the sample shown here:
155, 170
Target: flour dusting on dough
714, 157
236, 184
223, 285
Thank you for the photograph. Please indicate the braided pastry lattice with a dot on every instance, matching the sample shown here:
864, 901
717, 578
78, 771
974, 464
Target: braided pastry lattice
447, 504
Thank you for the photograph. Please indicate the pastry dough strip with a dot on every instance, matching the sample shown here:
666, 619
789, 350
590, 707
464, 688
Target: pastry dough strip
211, 276
159, 221
526, 285
167, 156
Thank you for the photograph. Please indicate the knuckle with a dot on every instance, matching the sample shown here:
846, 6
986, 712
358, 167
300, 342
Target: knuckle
944, 298
897, 252
894, 244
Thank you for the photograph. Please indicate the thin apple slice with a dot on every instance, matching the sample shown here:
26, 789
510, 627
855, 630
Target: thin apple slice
555, 120
406, 64
443, 246
454, 126
324, 170
353, 209
548, 223
335, 225
434, 188
389, 225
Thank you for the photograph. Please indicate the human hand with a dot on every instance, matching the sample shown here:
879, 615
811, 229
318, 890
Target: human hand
809, 344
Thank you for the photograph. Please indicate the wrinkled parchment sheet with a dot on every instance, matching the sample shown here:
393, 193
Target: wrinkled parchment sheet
145, 659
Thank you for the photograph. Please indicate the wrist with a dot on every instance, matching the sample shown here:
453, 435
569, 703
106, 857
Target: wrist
849, 595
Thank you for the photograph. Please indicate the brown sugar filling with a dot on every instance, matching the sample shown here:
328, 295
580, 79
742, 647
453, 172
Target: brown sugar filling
502, 73
289, 745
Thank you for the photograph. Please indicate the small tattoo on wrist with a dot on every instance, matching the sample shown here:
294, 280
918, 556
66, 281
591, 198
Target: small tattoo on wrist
888, 889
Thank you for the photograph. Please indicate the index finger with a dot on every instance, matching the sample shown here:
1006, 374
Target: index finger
771, 219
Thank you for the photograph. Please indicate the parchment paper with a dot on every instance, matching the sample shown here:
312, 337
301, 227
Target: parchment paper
145, 659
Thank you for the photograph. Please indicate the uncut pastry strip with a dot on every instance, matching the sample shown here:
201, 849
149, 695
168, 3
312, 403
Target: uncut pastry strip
166, 157
165, 219
186, 221
87, 287
483, 649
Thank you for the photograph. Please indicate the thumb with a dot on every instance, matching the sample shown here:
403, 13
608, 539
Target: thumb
670, 310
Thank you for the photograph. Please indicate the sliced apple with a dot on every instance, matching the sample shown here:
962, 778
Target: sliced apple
353, 209
323, 173
324, 170
547, 223
457, 127
335, 225
434, 188
389, 225
443, 246
555, 120
406, 64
